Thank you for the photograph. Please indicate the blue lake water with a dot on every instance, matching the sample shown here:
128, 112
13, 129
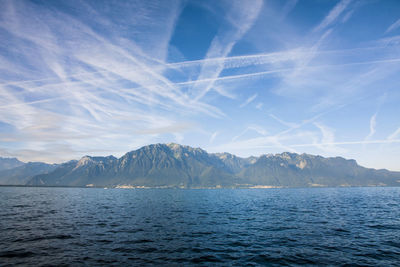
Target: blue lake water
78, 226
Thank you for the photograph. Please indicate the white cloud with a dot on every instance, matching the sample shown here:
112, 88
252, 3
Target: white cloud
288, 7
241, 15
213, 136
338, 9
252, 128
288, 124
84, 89
372, 127
259, 106
248, 100
347, 16
327, 142
394, 135
171, 128
393, 27
362, 142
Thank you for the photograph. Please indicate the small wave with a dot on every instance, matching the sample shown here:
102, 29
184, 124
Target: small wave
62, 237
16, 254
237, 244
105, 241
393, 244
135, 250
137, 241
204, 259
200, 234
341, 230
385, 226
22, 206
40, 238
123, 249
147, 250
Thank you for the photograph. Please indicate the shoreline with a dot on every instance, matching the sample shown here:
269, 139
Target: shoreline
198, 188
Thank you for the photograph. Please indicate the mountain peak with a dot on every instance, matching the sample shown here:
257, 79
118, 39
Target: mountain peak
85, 160
9, 163
174, 145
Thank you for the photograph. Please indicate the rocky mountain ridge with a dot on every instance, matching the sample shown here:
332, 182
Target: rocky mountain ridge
178, 166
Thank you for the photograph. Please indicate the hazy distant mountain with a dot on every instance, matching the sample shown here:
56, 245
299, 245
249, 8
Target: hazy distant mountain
294, 170
9, 163
173, 165
22, 174
75, 173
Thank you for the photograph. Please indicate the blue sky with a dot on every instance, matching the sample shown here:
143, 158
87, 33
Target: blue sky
246, 77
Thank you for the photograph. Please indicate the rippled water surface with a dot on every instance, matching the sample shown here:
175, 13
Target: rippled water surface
322, 226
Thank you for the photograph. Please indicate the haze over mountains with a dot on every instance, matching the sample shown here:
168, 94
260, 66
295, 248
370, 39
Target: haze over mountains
19, 173
177, 166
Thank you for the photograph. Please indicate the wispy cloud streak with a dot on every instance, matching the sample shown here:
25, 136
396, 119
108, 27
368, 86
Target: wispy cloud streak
333, 15
393, 27
248, 100
394, 135
241, 16
372, 127
87, 76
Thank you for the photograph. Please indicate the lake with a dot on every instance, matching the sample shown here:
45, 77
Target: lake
89, 226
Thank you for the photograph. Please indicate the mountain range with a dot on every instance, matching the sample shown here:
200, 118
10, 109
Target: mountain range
178, 166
